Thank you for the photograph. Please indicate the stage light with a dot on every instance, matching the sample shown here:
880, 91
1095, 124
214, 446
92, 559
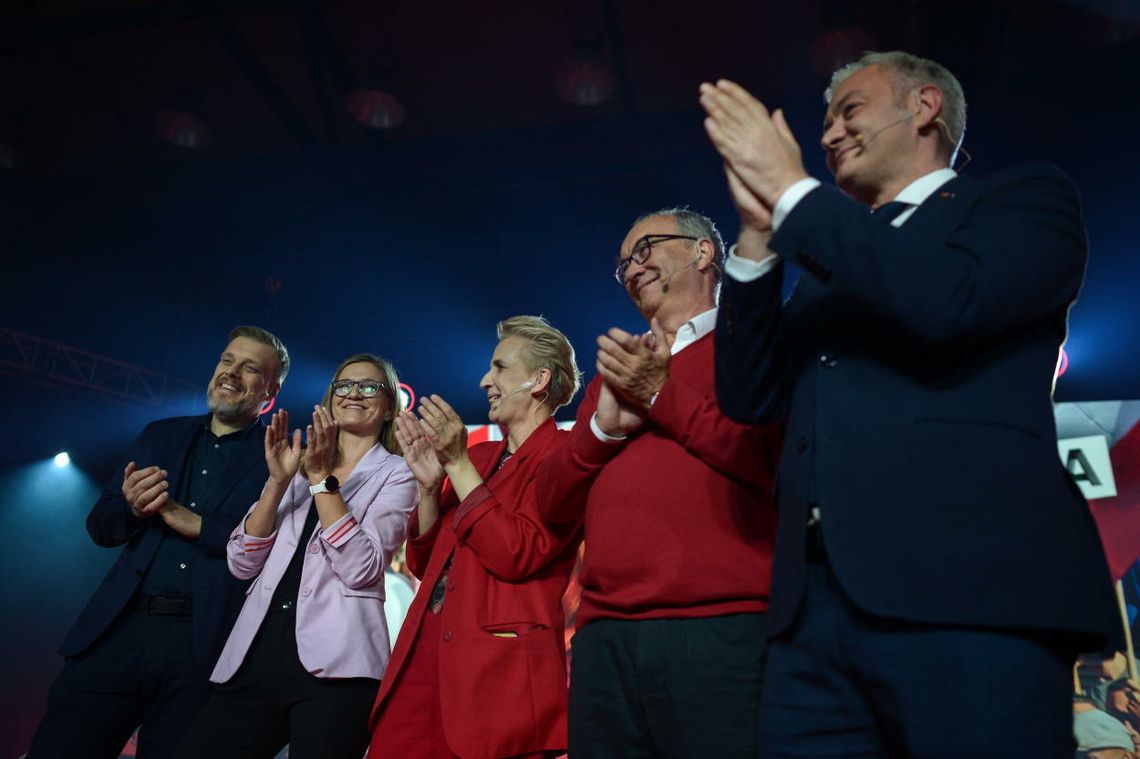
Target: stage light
61, 459
183, 129
375, 109
585, 78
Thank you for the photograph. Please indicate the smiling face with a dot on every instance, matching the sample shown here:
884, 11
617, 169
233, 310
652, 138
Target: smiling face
869, 136
668, 279
508, 382
354, 412
244, 380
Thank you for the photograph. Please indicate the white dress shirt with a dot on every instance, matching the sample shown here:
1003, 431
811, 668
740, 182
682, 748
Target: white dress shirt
915, 193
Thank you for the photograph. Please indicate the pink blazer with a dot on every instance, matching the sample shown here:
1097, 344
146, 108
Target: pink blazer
341, 631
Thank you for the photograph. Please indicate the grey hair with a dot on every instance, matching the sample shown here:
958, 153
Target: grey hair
689, 222
909, 72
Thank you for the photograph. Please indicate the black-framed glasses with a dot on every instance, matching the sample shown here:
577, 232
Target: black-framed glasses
367, 388
642, 249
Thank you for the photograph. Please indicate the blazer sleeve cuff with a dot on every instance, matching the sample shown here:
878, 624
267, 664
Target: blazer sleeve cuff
476, 498
418, 538
251, 545
341, 531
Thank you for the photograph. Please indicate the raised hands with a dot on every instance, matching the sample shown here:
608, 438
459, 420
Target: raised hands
282, 450
443, 426
321, 437
615, 417
419, 453
634, 366
761, 155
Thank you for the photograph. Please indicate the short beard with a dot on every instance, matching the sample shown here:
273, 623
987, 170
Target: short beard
232, 413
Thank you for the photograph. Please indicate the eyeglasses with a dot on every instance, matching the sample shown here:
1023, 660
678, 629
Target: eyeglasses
642, 249
367, 388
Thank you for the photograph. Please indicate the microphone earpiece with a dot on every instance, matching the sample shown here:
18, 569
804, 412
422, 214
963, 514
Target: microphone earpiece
524, 386
861, 139
666, 276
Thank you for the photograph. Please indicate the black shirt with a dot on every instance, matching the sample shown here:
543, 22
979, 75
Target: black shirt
285, 596
171, 572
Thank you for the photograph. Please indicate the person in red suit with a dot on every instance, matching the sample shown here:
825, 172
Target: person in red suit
479, 668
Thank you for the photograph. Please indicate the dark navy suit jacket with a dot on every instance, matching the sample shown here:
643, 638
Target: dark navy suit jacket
218, 596
915, 367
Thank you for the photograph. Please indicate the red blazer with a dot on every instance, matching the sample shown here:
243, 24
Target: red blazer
499, 696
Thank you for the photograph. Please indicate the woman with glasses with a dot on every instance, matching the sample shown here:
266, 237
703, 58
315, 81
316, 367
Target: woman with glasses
302, 664
479, 667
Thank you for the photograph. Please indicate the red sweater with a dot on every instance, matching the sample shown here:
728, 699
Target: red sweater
680, 520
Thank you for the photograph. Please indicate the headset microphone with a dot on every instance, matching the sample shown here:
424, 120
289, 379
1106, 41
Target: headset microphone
666, 276
863, 141
524, 386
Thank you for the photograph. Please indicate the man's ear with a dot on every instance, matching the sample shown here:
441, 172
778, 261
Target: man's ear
707, 254
926, 106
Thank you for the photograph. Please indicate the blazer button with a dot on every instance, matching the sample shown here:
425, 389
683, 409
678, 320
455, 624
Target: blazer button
315, 548
801, 444
827, 361
306, 591
447, 636
451, 584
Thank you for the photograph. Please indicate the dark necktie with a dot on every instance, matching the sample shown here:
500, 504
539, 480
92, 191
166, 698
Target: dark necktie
887, 212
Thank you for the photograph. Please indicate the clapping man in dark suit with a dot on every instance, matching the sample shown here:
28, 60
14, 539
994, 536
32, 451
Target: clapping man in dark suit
141, 652
931, 549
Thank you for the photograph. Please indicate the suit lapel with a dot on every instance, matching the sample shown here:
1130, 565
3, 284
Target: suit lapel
945, 207
487, 468
363, 471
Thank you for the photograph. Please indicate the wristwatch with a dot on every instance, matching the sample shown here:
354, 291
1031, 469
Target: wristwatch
329, 484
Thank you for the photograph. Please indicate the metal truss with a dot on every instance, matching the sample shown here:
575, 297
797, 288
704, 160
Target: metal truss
55, 364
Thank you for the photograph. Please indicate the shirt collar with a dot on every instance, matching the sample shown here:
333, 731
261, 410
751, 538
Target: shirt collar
236, 434
693, 330
922, 188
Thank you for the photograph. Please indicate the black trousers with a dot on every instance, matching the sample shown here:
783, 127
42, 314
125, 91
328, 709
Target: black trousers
667, 688
273, 701
139, 674
843, 683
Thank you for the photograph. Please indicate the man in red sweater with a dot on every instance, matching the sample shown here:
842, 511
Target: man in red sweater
669, 652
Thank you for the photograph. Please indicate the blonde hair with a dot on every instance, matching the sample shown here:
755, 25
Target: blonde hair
547, 348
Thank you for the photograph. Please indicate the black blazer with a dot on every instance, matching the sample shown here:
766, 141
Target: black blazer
915, 367
218, 596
